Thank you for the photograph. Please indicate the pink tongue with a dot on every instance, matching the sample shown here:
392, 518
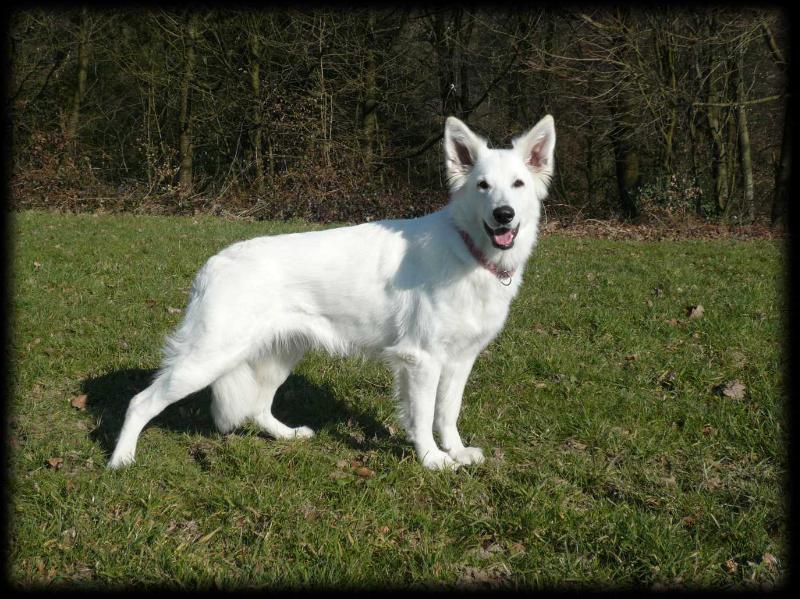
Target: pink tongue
504, 238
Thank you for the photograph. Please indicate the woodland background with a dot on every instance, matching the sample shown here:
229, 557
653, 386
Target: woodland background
335, 115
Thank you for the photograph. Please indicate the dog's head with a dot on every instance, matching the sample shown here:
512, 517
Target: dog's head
496, 194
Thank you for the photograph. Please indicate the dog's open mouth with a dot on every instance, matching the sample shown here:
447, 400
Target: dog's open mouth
502, 237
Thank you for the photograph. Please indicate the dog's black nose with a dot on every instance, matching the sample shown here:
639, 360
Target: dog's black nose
503, 214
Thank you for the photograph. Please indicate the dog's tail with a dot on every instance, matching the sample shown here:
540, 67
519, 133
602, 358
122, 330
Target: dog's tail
235, 397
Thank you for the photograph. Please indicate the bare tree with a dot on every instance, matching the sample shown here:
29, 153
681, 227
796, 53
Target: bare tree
83, 39
189, 39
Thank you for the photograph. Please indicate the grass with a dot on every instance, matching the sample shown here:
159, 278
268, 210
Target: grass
613, 462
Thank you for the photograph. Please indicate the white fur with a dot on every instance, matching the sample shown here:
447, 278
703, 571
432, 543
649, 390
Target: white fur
406, 291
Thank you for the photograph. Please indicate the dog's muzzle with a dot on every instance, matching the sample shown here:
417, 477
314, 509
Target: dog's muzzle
502, 237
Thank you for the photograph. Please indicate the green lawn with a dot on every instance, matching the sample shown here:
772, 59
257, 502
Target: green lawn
612, 459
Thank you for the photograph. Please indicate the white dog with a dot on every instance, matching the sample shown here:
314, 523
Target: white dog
425, 295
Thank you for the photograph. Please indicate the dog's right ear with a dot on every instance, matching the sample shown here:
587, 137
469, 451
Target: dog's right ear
461, 150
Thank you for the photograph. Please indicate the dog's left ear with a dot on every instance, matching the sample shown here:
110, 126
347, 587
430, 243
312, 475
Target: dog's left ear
461, 149
537, 145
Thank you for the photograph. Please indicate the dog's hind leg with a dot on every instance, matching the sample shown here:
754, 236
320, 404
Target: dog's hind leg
235, 398
183, 377
271, 372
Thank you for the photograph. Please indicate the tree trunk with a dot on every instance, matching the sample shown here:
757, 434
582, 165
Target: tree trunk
83, 70
444, 61
322, 93
463, 36
185, 141
732, 156
517, 81
780, 199
626, 155
720, 151
698, 206
369, 105
628, 177
255, 86
744, 141
669, 141
590, 186
624, 114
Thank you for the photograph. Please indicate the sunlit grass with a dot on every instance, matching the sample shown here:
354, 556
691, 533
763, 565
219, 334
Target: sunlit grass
613, 461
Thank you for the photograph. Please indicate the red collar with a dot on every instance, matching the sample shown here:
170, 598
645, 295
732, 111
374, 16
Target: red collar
503, 275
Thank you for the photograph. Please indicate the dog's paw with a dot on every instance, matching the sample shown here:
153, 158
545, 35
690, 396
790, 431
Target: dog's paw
117, 461
303, 432
439, 460
467, 455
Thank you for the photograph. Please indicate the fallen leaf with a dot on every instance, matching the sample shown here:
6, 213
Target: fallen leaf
770, 561
688, 521
486, 552
734, 389
708, 429
172, 310
694, 311
475, 578
69, 536
632, 357
79, 402
55, 463
573, 296
37, 265
731, 566
669, 481
573, 444
365, 472
738, 359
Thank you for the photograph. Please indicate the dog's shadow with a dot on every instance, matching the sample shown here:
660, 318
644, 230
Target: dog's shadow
297, 402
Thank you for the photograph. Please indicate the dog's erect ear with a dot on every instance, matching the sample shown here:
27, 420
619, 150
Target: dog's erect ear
537, 145
461, 149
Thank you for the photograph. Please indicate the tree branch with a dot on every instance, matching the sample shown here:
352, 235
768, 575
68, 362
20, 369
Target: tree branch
737, 104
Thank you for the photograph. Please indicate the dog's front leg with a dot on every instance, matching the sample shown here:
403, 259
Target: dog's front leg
419, 380
448, 405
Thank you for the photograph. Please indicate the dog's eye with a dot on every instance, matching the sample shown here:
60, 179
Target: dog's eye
519, 183
483, 185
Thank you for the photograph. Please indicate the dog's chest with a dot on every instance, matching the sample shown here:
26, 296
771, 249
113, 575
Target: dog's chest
470, 313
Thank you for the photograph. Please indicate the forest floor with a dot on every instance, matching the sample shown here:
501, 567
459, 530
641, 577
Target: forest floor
633, 414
